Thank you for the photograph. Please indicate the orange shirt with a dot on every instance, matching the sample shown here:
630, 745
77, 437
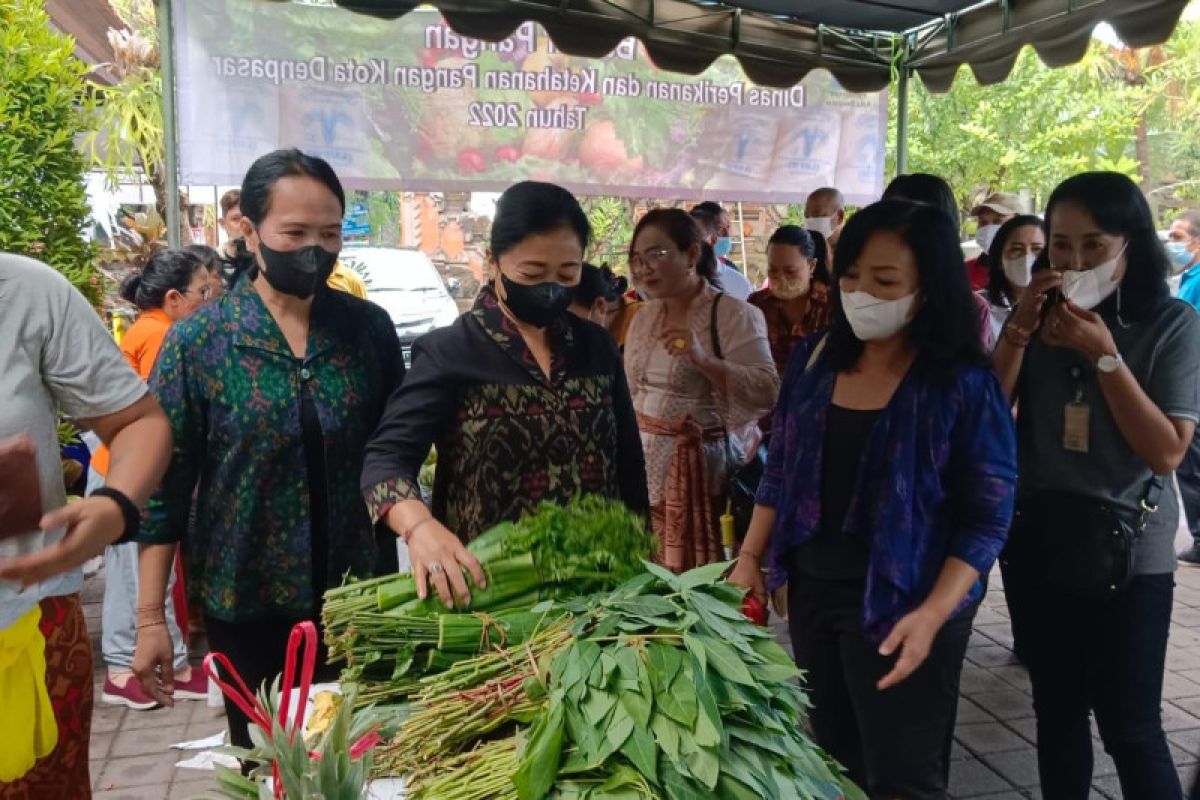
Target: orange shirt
140, 344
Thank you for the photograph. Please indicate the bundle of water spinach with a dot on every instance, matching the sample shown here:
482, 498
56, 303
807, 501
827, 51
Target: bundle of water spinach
389, 638
659, 689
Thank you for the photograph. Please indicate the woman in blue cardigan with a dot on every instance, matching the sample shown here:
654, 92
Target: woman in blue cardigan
887, 497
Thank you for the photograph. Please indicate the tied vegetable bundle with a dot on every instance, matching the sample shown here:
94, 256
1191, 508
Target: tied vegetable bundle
389, 638
659, 689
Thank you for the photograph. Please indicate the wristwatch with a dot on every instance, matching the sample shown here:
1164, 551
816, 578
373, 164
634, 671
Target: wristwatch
1109, 364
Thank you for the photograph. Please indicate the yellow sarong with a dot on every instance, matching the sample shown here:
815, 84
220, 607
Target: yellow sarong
29, 731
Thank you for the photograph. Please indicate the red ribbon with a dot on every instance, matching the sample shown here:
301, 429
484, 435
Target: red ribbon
304, 633
241, 696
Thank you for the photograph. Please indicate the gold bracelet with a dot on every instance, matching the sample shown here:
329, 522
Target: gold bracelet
153, 624
406, 535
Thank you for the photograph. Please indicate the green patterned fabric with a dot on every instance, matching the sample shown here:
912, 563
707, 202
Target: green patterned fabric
231, 389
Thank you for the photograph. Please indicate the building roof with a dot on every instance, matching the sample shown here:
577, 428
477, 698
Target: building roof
88, 22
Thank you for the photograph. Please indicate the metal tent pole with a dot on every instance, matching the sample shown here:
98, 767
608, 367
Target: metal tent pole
902, 123
902, 113
742, 237
166, 48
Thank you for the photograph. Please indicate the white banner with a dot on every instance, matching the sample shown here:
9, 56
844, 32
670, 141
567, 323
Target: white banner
409, 104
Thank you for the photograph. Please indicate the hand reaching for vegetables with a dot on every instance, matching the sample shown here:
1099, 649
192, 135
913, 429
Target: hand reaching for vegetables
440, 559
748, 573
913, 636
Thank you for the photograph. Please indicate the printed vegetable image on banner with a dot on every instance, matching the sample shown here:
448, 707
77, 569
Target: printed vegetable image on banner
410, 104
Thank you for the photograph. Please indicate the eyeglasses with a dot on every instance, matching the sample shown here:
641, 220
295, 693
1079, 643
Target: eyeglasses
205, 291
652, 257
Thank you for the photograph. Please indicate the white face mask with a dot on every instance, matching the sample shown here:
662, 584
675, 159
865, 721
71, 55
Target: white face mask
985, 235
821, 225
1089, 288
871, 318
1019, 271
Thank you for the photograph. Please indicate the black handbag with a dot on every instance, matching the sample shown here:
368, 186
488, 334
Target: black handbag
1078, 545
743, 480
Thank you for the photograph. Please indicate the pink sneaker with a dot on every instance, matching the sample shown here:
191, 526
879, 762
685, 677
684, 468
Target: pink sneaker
129, 695
195, 688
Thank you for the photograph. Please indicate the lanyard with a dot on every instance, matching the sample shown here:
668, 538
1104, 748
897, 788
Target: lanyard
1077, 382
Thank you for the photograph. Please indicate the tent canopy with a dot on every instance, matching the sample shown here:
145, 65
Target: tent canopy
864, 43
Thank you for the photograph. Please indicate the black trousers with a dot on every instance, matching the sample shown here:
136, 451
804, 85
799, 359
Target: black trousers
257, 651
1102, 656
1013, 622
1188, 475
895, 743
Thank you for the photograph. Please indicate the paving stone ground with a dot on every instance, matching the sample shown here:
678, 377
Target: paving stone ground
994, 756
131, 755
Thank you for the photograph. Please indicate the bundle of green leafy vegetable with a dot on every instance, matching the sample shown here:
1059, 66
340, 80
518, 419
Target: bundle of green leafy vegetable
389, 638
388, 656
659, 689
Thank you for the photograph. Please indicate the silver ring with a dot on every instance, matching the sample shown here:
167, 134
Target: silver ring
435, 569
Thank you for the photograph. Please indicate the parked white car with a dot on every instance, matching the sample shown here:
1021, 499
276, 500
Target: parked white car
407, 286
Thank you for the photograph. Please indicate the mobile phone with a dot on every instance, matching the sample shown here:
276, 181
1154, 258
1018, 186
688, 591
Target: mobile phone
1053, 297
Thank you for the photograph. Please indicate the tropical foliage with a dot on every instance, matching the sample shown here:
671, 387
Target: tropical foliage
1132, 111
128, 139
43, 205
612, 227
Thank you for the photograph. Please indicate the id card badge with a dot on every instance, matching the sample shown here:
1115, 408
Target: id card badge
1077, 417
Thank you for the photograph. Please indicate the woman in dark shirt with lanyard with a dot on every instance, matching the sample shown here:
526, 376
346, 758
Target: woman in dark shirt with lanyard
272, 393
887, 496
1102, 365
525, 401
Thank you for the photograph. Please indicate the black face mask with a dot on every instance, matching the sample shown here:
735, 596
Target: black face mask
297, 272
539, 304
